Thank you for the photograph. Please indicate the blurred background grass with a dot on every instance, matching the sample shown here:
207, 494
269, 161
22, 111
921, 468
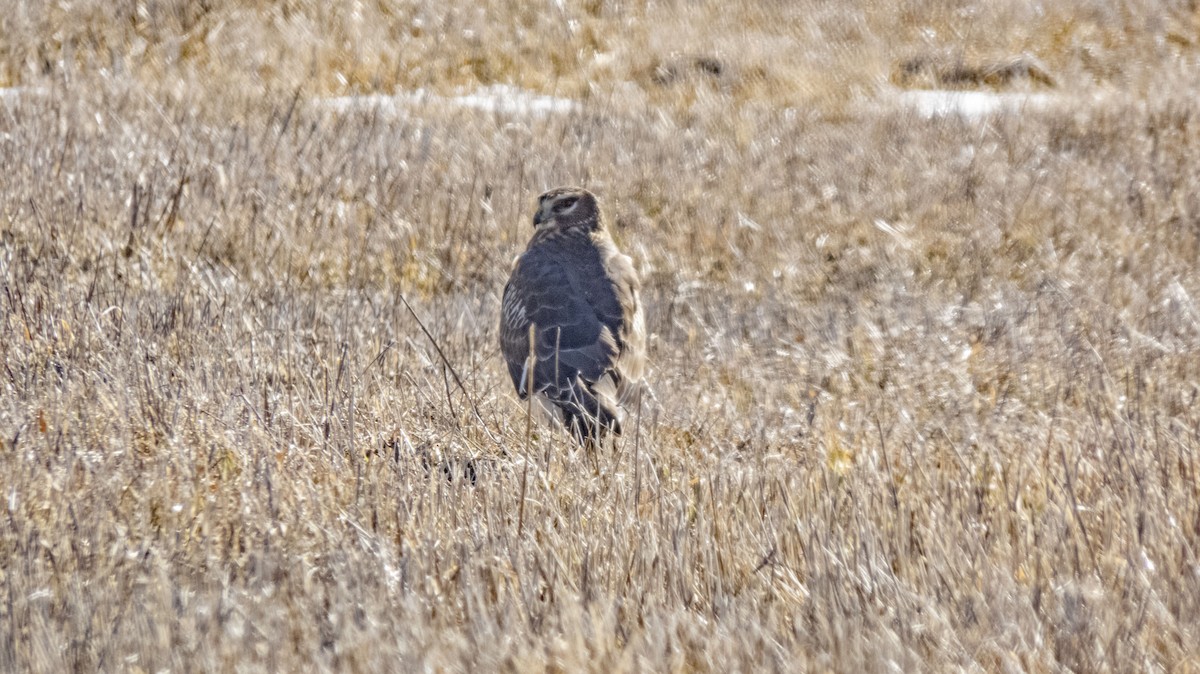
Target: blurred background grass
927, 385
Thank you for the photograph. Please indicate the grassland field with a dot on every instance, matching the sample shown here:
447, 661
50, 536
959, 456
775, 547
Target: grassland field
926, 385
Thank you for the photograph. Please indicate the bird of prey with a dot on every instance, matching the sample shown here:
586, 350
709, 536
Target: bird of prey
571, 328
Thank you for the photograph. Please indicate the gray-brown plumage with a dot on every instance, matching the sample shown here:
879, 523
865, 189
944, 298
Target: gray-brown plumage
581, 293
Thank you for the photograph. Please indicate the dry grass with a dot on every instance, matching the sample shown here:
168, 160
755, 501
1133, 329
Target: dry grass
928, 389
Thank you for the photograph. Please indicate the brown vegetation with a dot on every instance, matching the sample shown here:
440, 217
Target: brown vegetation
928, 390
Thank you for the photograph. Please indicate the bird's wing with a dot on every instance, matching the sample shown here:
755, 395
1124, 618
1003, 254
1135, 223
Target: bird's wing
624, 313
571, 339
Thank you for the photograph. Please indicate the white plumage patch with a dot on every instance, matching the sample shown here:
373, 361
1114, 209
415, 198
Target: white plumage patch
514, 311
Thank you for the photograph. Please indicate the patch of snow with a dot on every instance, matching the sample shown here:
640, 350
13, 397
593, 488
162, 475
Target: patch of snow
503, 98
498, 98
931, 103
365, 102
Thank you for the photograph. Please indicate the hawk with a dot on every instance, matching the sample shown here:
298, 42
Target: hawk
571, 324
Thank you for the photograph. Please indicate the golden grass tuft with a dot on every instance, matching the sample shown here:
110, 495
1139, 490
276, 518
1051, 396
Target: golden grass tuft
926, 389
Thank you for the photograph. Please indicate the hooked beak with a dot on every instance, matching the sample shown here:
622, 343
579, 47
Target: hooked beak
539, 217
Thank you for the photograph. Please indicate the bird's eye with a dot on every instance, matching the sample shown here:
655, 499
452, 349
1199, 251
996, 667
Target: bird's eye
565, 204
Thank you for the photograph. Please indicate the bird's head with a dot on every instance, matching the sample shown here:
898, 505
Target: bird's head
568, 207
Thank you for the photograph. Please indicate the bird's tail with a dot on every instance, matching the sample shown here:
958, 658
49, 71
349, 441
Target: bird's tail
589, 418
